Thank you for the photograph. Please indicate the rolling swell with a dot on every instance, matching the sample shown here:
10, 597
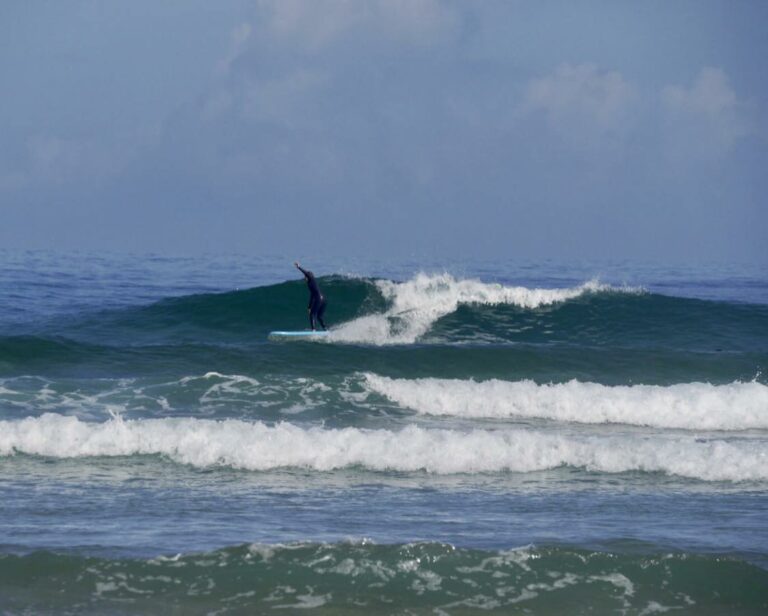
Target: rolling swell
61, 358
426, 577
442, 309
426, 326
617, 319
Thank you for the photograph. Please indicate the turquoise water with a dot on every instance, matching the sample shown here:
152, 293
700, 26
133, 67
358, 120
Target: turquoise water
470, 437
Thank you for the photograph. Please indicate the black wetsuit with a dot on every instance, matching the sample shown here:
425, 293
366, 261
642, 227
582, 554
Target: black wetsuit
316, 300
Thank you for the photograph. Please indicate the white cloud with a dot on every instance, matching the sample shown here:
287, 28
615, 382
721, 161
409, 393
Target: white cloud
582, 91
317, 23
705, 119
585, 106
710, 94
262, 78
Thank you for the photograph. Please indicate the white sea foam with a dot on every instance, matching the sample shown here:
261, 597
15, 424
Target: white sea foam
257, 446
695, 406
416, 304
209, 393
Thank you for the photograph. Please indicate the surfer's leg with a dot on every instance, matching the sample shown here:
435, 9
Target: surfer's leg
320, 313
313, 316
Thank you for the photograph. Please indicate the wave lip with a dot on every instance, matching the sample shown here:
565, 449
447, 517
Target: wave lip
689, 406
416, 304
259, 447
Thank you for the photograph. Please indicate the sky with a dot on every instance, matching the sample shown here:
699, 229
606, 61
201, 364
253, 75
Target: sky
450, 129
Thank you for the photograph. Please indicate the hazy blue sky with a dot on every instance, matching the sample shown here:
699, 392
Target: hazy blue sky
466, 129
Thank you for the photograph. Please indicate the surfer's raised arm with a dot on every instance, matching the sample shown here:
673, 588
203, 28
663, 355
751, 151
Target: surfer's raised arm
301, 269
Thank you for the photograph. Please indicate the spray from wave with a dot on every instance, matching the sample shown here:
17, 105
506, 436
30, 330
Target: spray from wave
415, 305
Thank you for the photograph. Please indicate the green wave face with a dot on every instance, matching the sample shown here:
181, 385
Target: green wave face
586, 316
417, 578
616, 319
236, 316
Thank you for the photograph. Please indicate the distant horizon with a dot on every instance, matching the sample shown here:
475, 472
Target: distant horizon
329, 264
320, 256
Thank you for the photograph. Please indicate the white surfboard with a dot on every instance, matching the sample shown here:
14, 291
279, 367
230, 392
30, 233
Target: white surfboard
306, 334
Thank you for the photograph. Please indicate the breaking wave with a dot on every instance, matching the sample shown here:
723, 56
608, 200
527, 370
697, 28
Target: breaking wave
261, 447
692, 406
425, 308
415, 305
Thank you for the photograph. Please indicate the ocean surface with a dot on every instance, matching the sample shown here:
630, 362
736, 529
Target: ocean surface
471, 437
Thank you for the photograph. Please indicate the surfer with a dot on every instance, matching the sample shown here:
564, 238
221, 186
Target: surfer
316, 306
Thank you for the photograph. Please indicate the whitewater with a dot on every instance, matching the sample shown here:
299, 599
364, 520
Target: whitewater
416, 304
689, 406
256, 446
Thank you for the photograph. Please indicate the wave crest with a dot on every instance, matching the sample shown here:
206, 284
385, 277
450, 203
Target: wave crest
257, 446
415, 305
693, 406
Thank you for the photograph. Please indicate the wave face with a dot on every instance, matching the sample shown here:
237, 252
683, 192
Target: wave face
589, 331
232, 317
417, 577
691, 406
438, 308
260, 447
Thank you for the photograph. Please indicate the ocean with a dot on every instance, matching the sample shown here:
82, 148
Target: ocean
472, 437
